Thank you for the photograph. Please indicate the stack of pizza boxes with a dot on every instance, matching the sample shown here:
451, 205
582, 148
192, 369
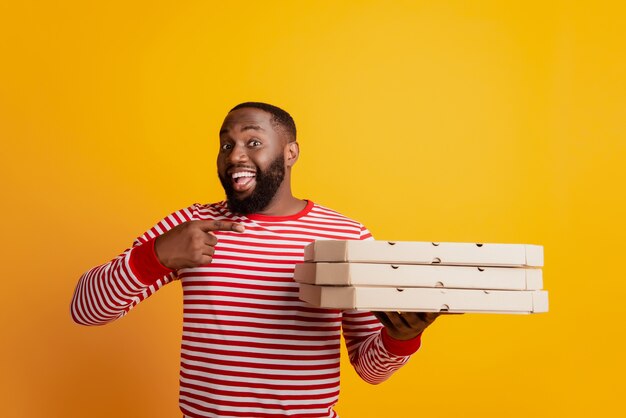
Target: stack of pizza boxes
423, 276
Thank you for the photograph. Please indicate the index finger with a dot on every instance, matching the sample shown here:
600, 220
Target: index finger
217, 225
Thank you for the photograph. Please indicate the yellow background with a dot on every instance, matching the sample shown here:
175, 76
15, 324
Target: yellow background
482, 121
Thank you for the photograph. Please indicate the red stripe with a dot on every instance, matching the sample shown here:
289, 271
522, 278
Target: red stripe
257, 355
266, 366
265, 376
190, 276
276, 317
240, 304
259, 335
270, 395
214, 293
218, 412
240, 241
225, 248
219, 256
283, 326
253, 268
270, 345
249, 286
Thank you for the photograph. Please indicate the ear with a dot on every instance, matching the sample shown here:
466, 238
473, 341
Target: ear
292, 152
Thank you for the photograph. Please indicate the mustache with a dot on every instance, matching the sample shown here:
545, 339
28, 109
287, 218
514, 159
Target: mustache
230, 167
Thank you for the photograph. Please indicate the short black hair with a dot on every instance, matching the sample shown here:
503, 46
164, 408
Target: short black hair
279, 117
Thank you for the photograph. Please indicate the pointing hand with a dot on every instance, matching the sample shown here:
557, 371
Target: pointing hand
191, 244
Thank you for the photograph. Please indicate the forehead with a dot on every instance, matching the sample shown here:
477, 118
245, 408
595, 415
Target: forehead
239, 119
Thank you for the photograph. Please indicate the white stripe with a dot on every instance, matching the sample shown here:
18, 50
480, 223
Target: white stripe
297, 312
188, 402
270, 331
275, 373
247, 292
243, 388
251, 320
277, 403
287, 265
268, 303
210, 357
252, 350
215, 271
256, 380
246, 246
206, 282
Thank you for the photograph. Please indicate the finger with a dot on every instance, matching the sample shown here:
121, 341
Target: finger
382, 317
208, 250
216, 225
403, 318
413, 319
210, 239
206, 259
429, 317
397, 320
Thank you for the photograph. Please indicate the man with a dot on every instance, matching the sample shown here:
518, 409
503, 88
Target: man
250, 347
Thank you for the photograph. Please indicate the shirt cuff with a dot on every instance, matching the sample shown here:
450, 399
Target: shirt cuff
401, 348
146, 265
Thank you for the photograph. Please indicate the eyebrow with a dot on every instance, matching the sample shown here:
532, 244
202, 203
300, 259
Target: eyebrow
254, 127
245, 128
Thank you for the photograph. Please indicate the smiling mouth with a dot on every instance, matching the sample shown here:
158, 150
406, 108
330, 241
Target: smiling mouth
243, 180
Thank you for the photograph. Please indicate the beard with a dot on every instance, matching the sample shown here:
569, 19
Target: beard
267, 183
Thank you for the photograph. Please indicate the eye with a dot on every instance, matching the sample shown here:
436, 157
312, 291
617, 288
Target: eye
226, 147
254, 143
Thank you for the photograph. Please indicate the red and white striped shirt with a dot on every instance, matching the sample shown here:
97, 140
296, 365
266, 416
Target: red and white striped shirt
250, 347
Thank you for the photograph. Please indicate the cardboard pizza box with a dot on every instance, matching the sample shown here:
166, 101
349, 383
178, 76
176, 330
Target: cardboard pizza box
410, 275
414, 252
425, 299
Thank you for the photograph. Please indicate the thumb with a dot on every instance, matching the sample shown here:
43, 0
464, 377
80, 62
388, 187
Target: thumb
208, 226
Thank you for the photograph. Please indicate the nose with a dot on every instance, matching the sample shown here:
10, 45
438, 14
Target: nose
238, 154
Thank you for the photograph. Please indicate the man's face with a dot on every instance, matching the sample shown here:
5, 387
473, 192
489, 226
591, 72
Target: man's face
250, 164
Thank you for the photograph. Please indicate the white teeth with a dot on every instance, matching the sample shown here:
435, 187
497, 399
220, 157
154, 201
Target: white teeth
242, 174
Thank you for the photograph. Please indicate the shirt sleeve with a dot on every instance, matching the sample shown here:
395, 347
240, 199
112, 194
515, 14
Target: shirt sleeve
109, 291
373, 353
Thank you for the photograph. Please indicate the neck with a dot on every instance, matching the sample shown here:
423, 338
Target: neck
283, 204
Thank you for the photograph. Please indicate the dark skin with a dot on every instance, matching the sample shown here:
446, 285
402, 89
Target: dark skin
191, 244
249, 141
406, 325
